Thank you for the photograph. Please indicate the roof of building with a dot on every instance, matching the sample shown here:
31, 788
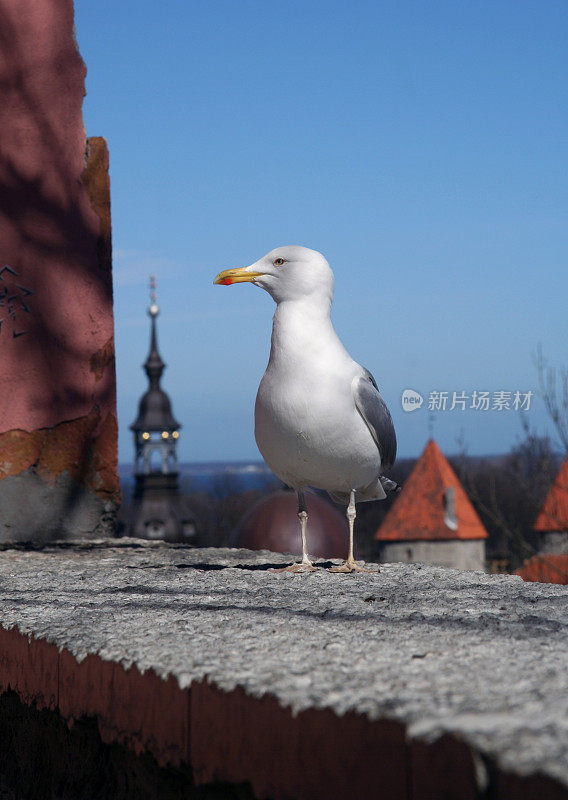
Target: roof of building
545, 569
432, 504
554, 512
272, 524
154, 410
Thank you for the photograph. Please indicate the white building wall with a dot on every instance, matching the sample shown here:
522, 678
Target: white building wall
553, 542
457, 553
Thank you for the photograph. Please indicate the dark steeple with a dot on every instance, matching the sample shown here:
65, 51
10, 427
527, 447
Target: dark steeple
158, 511
154, 411
154, 365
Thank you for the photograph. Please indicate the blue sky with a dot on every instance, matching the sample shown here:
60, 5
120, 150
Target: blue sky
422, 147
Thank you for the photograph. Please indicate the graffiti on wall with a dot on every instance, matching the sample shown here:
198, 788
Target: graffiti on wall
14, 307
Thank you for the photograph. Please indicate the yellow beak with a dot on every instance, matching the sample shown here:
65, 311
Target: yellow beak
240, 275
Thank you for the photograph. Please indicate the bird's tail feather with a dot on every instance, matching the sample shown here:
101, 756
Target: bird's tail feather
377, 490
390, 486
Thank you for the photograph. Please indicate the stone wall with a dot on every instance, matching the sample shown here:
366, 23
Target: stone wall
408, 683
457, 554
58, 427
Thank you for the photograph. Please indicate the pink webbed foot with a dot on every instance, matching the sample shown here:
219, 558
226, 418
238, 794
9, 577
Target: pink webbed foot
298, 568
350, 566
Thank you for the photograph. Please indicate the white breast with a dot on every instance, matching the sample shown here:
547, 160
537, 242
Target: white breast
307, 426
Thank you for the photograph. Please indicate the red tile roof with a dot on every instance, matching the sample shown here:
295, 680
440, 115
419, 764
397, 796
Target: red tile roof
554, 512
545, 569
419, 511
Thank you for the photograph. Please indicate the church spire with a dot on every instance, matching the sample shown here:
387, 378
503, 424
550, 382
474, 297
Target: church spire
154, 365
154, 410
158, 511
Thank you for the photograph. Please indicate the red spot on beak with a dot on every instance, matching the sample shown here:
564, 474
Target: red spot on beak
226, 281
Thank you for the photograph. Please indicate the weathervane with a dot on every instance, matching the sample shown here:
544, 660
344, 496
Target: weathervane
154, 309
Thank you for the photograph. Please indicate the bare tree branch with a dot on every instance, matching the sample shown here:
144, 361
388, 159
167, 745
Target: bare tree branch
553, 385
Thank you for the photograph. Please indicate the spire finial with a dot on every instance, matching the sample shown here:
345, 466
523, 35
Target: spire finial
154, 365
154, 309
431, 421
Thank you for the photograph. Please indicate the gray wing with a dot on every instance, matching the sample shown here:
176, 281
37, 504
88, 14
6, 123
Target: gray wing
374, 411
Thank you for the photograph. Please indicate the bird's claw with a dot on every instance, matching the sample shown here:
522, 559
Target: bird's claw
297, 568
350, 566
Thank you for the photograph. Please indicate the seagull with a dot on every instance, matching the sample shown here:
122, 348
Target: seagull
320, 420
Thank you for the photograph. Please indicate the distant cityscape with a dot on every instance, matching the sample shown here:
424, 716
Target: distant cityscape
220, 477
228, 477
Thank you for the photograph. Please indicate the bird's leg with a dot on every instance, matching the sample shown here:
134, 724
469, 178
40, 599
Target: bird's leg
305, 565
350, 565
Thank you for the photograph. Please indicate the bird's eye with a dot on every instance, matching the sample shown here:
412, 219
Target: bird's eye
279, 261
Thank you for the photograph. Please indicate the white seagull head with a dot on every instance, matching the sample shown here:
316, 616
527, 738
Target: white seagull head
286, 273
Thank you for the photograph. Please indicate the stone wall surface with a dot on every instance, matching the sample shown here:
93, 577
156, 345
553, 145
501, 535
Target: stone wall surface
412, 682
58, 457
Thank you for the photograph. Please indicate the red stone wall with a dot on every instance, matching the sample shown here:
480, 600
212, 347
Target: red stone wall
233, 738
57, 377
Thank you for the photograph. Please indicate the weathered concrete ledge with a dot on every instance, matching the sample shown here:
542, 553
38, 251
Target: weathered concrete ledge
412, 682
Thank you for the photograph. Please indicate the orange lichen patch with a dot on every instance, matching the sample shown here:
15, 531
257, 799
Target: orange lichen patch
545, 569
102, 358
419, 512
96, 181
554, 512
66, 447
85, 448
103, 472
19, 450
